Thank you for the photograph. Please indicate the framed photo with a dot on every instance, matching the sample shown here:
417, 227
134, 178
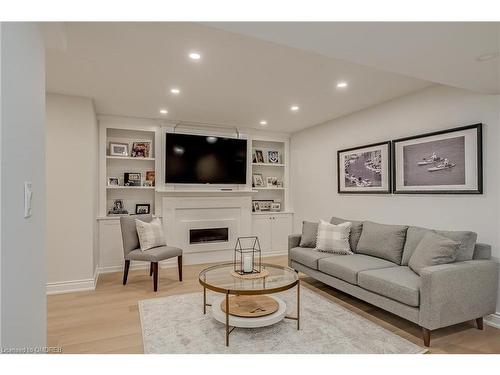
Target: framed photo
272, 181
258, 180
365, 169
263, 205
255, 206
273, 157
113, 181
150, 178
443, 162
118, 208
132, 179
258, 156
141, 149
276, 206
142, 208
118, 149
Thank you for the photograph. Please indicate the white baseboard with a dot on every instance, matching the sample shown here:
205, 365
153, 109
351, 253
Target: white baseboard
70, 286
493, 320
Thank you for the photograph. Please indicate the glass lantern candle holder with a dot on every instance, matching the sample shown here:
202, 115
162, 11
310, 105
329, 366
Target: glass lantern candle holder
247, 255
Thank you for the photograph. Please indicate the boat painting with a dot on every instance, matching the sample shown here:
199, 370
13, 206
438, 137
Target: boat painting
363, 169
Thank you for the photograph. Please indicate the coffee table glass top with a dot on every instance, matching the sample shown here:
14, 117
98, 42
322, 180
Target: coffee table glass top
220, 279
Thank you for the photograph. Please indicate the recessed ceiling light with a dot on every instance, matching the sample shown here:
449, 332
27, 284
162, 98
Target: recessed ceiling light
487, 56
294, 108
175, 91
341, 84
194, 56
263, 123
163, 111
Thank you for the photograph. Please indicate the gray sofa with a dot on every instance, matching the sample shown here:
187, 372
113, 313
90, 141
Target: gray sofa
442, 295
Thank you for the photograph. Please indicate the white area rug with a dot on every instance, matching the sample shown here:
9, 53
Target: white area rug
176, 324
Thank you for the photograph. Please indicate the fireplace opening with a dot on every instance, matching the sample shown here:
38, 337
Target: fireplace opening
208, 235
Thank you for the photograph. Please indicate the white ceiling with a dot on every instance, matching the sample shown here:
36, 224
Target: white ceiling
441, 52
129, 68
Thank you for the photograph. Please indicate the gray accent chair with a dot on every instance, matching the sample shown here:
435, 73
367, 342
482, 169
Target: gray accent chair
132, 251
442, 295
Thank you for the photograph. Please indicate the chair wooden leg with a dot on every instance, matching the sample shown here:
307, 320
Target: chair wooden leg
155, 276
179, 264
427, 336
151, 269
125, 271
479, 322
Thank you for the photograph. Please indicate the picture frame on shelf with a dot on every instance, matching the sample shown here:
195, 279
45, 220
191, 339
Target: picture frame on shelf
141, 149
132, 179
276, 206
279, 184
273, 157
258, 156
272, 181
258, 180
118, 149
443, 162
113, 181
151, 178
365, 169
255, 206
118, 208
263, 204
142, 208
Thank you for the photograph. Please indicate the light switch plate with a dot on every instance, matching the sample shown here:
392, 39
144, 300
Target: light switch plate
28, 194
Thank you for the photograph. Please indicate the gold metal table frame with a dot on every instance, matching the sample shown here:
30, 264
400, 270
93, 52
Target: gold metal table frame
253, 292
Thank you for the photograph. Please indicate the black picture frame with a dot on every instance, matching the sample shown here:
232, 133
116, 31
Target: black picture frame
138, 205
479, 163
388, 170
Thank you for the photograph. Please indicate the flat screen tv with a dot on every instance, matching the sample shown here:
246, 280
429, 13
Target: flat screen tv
196, 159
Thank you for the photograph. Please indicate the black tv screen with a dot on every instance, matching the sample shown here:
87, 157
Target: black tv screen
196, 159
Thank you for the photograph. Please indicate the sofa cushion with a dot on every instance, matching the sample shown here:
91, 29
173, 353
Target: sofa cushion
356, 228
307, 256
347, 267
398, 283
334, 238
382, 241
309, 233
414, 235
155, 254
434, 249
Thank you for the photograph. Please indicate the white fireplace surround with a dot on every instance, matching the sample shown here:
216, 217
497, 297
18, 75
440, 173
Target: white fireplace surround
182, 213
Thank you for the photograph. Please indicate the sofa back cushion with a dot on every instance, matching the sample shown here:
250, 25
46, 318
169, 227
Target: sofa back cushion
309, 233
382, 241
466, 239
356, 228
432, 250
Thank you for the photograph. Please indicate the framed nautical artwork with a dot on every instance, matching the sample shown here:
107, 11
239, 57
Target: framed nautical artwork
443, 162
365, 169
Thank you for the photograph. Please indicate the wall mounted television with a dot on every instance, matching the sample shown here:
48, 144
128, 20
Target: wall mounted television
200, 159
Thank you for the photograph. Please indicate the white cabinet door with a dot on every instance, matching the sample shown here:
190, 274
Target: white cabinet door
261, 227
110, 243
281, 228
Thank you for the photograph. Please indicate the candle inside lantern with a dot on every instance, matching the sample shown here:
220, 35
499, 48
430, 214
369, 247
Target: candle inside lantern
247, 263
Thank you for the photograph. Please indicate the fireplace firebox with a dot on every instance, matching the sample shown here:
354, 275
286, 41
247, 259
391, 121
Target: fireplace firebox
208, 235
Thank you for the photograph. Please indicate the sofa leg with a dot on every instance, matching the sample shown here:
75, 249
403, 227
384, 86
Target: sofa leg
179, 265
426, 334
151, 269
479, 323
125, 271
155, 276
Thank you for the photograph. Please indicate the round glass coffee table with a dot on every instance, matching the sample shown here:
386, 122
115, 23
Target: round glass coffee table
246, 298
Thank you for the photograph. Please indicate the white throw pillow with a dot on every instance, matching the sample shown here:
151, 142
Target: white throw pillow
150, 234
333, 238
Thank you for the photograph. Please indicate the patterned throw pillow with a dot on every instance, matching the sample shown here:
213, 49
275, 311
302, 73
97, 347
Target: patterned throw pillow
333, 238
150, 234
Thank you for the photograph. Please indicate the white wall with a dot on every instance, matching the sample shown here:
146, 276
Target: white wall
71, 142
314, 170
23, 301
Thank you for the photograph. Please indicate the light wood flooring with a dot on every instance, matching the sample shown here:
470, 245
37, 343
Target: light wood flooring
107, 320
